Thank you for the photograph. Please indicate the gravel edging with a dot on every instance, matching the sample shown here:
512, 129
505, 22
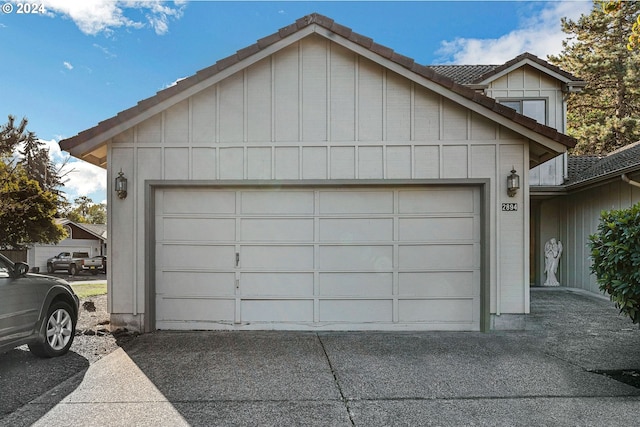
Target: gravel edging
94, 338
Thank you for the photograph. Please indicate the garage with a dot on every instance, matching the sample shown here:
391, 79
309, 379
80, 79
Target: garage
327, 258
316, 180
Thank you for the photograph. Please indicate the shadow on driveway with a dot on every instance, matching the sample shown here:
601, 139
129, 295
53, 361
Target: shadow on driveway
24, 377
542, 375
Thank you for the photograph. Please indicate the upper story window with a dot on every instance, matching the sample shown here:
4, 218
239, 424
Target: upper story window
534, 108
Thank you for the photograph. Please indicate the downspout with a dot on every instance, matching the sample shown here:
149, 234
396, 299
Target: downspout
626, 179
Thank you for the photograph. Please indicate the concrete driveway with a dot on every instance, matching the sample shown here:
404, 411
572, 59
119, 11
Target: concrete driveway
545, 375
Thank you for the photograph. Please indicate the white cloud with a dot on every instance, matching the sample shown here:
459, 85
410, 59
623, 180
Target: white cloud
160, 14
540, 35
83, 179
67, 65
106, 51
80, 178
173, 83
103, 16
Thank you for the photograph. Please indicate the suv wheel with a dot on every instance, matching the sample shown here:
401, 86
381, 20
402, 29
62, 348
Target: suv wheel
50, 268
59, 330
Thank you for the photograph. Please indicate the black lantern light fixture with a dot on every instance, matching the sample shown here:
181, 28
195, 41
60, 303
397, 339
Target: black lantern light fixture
513, 183
121, 185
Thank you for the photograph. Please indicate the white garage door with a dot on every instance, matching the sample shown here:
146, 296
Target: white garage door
320, 259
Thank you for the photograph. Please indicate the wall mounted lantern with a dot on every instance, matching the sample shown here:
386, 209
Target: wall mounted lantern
121, 185
513, 183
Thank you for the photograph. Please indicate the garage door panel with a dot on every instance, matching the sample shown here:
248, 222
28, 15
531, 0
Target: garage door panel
437, 310
356, 311
197, 229
417, 257
277, 284
197, 256
437, 284
356, 202
435, 229
356, 258
318, 258
196, 283
185, 201
277, 230
278, 202
437, 201
277, 310
354, 284
356, 229
286, 258
195, 309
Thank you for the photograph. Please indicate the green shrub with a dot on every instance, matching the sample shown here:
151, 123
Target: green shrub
615, 254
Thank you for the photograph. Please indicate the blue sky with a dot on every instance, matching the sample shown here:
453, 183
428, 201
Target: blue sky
78, 62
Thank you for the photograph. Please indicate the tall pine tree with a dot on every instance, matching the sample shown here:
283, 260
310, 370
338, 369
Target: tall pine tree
606, 115
29, 195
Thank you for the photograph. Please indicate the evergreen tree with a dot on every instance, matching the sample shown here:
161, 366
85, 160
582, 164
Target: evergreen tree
86, 211
29, 194
606, 115
34, 156
27, 214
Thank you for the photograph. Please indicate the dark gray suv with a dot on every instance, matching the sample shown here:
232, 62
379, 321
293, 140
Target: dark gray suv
37, 310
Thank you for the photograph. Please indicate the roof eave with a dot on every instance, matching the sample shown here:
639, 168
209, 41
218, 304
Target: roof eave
528, 61
86, 142
602, 179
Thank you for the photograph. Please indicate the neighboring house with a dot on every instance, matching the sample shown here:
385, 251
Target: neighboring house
317, 180
90, 238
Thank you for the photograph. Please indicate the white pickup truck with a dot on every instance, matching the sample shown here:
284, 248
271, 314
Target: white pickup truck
75, 262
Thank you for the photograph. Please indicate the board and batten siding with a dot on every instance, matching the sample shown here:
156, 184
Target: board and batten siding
316, 110
572, 219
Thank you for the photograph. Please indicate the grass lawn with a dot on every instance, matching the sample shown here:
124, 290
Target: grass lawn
89, 289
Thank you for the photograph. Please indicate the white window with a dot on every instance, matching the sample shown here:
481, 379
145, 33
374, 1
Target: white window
534, 108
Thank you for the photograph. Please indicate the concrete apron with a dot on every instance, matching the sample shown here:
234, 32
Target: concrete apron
538, 376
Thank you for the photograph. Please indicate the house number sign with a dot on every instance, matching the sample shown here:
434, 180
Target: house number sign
509, 207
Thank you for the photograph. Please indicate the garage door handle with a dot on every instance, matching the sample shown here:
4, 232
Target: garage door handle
237, 258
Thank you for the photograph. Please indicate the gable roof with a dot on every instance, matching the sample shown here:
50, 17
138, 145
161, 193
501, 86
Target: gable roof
98, 230
478, 75
85, 144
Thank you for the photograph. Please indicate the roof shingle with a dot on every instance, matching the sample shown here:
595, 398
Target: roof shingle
616, 162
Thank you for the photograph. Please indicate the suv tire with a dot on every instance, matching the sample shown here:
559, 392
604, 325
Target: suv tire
59, 329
